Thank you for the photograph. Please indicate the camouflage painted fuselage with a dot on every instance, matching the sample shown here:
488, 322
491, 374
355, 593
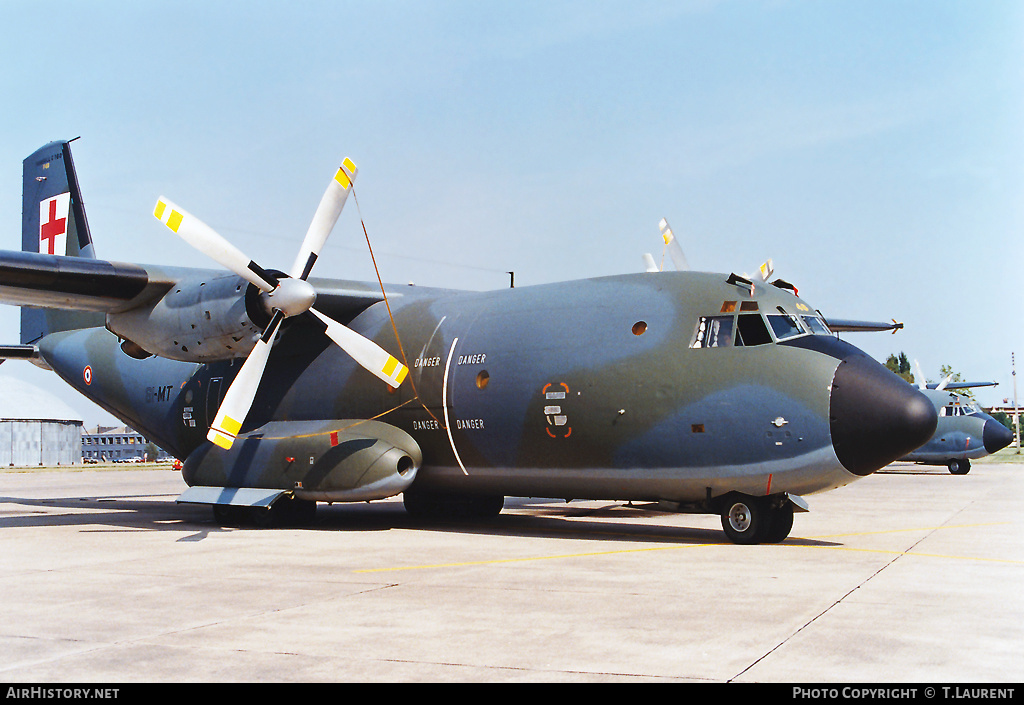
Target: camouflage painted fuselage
587, 389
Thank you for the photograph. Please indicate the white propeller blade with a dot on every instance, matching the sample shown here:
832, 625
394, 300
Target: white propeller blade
367, 353
675, 250
766, 270
288, 297
921, 383
205, 239
238, 399
326, 216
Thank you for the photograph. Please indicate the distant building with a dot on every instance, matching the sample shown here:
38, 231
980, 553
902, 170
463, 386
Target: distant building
36, 428
117, 444
35, 442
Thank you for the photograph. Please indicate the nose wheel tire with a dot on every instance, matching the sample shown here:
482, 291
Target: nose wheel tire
959, 467
750, 520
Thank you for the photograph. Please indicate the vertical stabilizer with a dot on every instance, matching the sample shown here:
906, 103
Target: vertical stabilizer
53, 222
53, 216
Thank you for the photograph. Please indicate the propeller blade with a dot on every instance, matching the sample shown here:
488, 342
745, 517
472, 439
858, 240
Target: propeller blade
238, 399
205, 239
675, 250
326, 216
921, 382
367, 353
767, 268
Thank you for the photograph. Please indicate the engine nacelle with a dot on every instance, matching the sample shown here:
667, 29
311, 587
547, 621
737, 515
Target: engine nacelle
332, 461
198, 320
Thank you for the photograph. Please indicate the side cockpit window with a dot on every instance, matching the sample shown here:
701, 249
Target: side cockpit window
784, 325
714, 332
815, 325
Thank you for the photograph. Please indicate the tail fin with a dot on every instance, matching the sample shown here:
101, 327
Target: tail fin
53, 215
53, 222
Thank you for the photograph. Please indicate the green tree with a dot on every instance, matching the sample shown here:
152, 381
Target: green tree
900, 365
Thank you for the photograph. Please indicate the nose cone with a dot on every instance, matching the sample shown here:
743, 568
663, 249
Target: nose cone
875, 416
995, 436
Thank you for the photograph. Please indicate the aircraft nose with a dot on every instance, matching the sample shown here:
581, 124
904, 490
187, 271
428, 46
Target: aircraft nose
995, 436
876, 417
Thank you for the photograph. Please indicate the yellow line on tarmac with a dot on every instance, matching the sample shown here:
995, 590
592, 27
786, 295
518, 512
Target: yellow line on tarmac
591, 554
531, 558
923, 555
917, 553
918, 528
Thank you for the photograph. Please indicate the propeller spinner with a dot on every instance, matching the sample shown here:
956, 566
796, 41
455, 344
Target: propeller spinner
285, 297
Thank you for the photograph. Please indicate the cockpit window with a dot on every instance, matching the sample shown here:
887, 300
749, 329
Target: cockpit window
816, 325
965, 409
714, 332
748, 329
784, 326
751, 330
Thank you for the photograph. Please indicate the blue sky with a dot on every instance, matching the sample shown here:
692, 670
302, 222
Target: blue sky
874, 150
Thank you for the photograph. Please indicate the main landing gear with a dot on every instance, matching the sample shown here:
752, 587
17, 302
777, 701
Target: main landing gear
749, 520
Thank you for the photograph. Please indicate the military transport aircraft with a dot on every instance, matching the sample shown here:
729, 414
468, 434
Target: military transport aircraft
964, 432
700, 391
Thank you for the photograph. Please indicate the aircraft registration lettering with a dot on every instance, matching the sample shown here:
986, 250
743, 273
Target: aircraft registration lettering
158, 394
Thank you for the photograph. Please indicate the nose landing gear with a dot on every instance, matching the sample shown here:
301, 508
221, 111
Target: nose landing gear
749, 520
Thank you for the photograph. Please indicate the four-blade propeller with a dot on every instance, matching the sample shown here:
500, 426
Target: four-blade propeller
285, 297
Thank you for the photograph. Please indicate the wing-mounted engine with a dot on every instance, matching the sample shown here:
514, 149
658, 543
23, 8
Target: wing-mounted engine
201, 319
284, 297
331, 461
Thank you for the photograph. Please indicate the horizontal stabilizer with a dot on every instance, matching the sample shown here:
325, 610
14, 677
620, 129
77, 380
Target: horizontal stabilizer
18, 352
234, 496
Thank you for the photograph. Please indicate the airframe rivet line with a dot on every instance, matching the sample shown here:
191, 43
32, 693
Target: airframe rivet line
444, 405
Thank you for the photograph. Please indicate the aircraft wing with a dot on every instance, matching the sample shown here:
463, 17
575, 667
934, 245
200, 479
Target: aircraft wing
81, 284
78, 283
838, 325
961, 385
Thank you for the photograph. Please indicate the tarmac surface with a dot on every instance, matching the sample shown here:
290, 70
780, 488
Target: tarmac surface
911, 575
